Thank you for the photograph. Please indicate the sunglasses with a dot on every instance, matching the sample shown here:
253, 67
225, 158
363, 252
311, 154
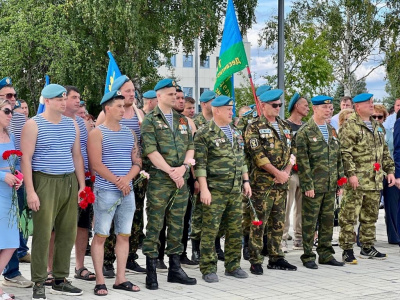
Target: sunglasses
7, 111
275, 105
377, 117
9, 96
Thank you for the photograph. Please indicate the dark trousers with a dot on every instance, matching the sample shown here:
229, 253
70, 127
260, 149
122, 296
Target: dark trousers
391, 197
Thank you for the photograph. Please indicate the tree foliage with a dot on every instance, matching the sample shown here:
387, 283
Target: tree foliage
69, 39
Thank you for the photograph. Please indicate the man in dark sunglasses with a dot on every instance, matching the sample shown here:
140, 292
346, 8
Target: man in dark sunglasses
269, 142
12, 275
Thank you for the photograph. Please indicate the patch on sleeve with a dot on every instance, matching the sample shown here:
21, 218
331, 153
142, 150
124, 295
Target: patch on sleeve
254, 143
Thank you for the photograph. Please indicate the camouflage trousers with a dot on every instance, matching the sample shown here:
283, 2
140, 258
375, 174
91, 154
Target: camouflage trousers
224, 211
363, 205
246, 216
320, 208
136, 232
159, 205
271, 210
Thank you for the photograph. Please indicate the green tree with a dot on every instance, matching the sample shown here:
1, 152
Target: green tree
358, 87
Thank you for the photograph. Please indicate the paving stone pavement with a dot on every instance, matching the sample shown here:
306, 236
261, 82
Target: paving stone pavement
370, 279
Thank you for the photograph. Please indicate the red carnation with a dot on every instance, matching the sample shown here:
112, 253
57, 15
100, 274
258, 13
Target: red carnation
87, 174
256, 222
83, 204
92, 178
295, 168
342, 181
6, 154
377, 166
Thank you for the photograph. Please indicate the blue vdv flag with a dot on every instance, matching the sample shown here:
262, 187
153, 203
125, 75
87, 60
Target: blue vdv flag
41, 107
113, 73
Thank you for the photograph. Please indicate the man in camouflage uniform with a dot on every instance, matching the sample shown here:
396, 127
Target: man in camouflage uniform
365, 159
269, 140
320, 167
168, 146
220, 170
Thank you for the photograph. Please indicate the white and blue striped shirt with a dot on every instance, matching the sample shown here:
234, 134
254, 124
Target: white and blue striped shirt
369, 125
83, 136
116, 154
169, 119
53, 150
276, 127
133, 124
17, 122
324, 131
228, 132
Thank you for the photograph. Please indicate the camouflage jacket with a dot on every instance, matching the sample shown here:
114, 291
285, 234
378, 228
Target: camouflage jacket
266, 147
199, 120
361, 149
246, 120
158, 136
320, 163
219, 161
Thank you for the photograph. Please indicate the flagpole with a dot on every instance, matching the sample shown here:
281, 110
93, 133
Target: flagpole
254, 91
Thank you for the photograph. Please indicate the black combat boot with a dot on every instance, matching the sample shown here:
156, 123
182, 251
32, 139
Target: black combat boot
151, 278
176, 273
195, 251
246, 254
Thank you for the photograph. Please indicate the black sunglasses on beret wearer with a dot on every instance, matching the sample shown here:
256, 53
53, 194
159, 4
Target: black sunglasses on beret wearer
9, 96
7, 111
275, 105
377, 117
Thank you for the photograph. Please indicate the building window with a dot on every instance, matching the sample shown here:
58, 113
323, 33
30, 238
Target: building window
172, 60
188, 91
202, 90
205, 64
188, 61
216, 62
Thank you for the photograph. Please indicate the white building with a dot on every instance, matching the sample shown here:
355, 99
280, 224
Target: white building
184, 69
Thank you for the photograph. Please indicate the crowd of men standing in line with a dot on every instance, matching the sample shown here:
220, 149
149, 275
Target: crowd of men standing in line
206, 174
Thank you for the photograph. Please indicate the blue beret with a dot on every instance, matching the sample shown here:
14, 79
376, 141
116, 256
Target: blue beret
293, 101
249, 112
111, 95
53, 91
222, 101
150, 94
119, 82
5, 81
207, 96
17, 104
165, 83
362, 97
271, 95
252, 106
321, 99
262, 89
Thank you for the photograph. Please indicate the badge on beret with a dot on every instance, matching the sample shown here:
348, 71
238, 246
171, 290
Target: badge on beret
64, 94
173, 83
8, 80
119, 93
254, 143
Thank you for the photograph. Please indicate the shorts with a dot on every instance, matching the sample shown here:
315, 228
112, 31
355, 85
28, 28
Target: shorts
105, 210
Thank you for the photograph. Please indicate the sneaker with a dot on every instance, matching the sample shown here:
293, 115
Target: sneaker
108, 271
65, 288
297, 245
161, 266
372, 253
39, 291
238, 273
333, 262
310, 265
256, 269
281, 264
284, 246
348, 257
186, 262
17, 281
134, 267
210, 278
25, 259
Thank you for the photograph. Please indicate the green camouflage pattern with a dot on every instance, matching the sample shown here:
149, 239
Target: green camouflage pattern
321, 209
219, 161
223, 214
363, 205
266, 147
160, 190
361, 148
320, 163
246, 216
199, 120
270, 210
171, 144
196, 219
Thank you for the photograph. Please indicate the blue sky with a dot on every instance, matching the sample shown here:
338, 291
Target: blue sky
261, 59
